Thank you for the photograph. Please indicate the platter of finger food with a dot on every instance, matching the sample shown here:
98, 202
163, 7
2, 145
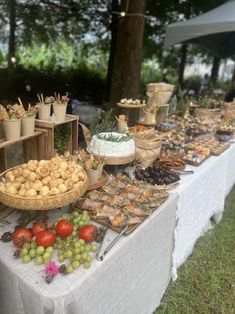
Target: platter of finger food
216, 147
122, 200
43, 185
196, 155
130, 103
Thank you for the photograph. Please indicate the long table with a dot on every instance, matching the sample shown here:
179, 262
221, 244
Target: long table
136, 272
201, 197
138, 268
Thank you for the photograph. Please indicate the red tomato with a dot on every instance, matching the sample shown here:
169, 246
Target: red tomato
22, 236
38, 226
64, 228
87, 233
45, 238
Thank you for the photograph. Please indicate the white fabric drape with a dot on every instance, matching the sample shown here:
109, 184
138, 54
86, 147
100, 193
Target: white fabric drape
201, 196
132, 278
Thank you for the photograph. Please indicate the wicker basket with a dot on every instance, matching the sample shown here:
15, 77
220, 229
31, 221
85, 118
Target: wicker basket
208, 113
44, 203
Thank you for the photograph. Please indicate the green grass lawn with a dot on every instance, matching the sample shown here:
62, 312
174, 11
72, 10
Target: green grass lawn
206, 282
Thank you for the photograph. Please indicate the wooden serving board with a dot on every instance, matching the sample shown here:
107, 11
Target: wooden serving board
131, 228
219, 151
168, 186
114, 160
189, 162
129, 106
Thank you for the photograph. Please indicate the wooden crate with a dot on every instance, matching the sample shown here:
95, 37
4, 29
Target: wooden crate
49, 126
34, 147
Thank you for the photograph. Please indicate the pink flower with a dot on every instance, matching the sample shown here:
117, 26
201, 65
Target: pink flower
51, 269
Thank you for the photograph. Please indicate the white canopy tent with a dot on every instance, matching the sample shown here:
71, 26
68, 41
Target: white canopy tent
214, 30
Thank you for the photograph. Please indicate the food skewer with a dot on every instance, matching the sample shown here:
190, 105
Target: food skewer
20, 101
184, 172
39, 98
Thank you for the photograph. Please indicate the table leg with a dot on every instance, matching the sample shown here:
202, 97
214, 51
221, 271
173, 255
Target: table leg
33, 149
50, 144
26, 150
41, 145
74, 136
69, 144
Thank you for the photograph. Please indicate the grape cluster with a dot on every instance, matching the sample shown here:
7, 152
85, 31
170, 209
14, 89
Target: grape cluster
30, 251
156, 175
75, 250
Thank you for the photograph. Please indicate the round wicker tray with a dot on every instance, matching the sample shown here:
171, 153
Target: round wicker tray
44, 203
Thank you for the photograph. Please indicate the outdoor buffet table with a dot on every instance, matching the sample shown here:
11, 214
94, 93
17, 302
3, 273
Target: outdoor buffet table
135, 273
132, 278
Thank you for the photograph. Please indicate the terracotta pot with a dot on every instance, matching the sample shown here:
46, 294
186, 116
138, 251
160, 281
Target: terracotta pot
44, 111
27, 126
60, 112
94, 175
12, 129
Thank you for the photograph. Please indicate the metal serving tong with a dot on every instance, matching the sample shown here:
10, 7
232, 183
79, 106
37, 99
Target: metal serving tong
184, 172
100, 256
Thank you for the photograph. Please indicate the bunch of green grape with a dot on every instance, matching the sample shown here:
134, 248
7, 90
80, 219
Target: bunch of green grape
76, 251
77, 219
39, 254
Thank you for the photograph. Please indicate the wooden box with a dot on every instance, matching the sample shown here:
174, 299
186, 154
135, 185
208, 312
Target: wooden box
49, 126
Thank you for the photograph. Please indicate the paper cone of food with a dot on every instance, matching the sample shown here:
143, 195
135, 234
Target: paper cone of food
44, 111
122, 123
27, 126
60, 111
94, 174
12, 129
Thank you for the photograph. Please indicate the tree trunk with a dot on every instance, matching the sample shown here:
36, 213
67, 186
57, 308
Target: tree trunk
215, 70
184, 49
127, 62
233, 76
11, 42
114, 27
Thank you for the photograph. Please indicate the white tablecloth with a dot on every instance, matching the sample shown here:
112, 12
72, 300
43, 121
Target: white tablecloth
135, 273
201, 196
131, 279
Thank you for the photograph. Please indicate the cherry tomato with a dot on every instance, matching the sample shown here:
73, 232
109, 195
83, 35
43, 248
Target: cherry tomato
45, 238
87, 233
22, 236
38, 226
64, 228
